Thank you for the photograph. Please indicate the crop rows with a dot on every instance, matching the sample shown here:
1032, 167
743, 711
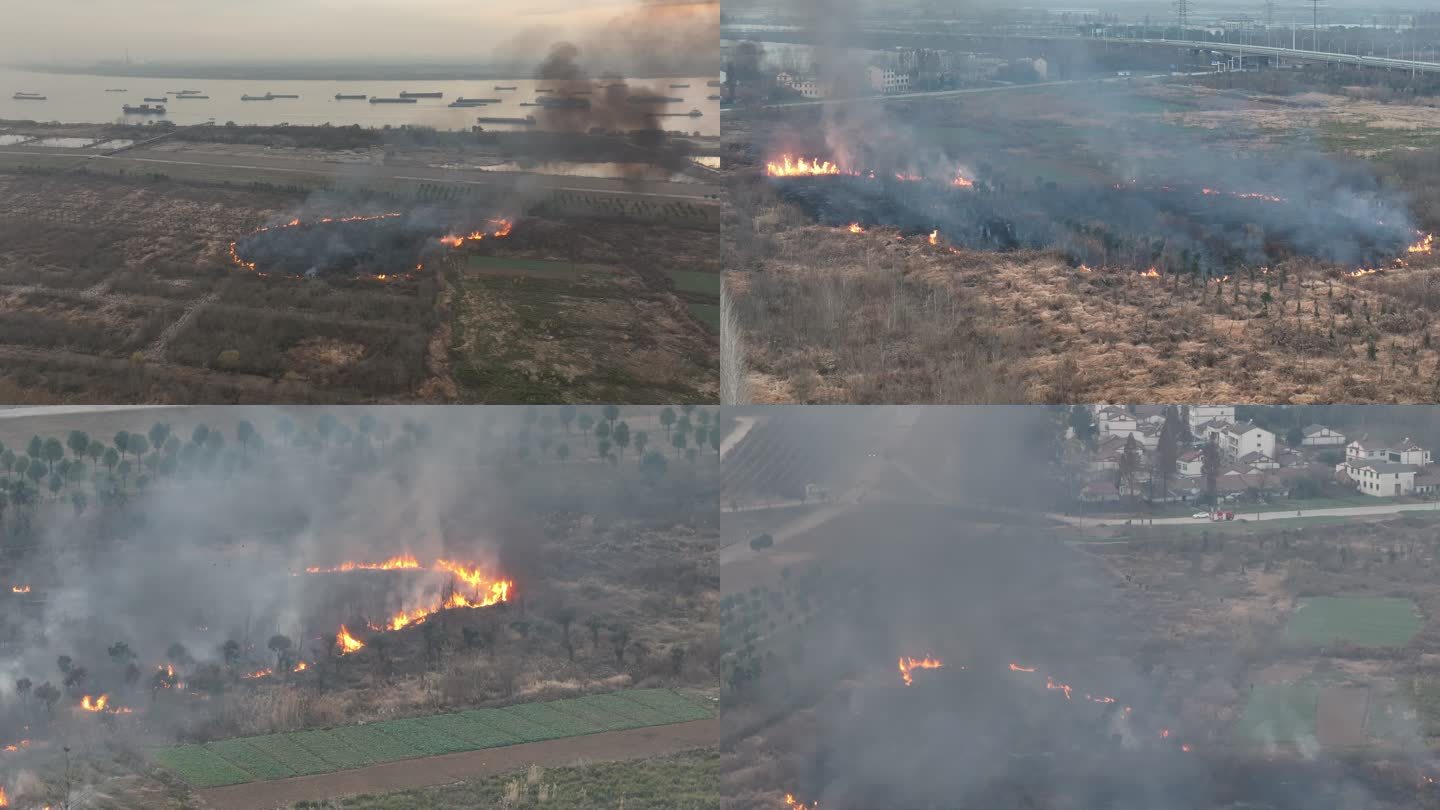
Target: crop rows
276, 756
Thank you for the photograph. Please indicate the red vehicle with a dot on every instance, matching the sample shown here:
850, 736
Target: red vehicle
1218, 515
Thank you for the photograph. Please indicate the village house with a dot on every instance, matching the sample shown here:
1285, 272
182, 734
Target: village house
1191, 463
1236, 441
1113, 419
1321, 436
1385, 469
1201, 414
1382, 479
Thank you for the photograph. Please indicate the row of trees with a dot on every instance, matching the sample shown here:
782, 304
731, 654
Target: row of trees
687, 433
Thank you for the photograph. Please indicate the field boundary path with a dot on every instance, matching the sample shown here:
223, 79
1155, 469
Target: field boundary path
611, 746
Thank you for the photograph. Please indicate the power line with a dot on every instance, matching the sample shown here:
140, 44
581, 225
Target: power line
1182, 11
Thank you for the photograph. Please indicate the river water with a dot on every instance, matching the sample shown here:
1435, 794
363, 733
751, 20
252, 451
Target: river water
81, 99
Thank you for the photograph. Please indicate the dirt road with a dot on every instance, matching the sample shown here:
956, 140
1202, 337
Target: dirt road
638, 743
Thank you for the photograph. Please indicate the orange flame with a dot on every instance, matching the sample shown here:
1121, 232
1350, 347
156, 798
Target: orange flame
19, 588
1063, 687
908, 664
97, 705
13, 747
800, 167
406, 560
347, 642
1362, 272
300, 667
503, 227
934, 236
1018, 668
791, 802
4, 800
1426, 245
1186, 748
259, 673
1151, 273
961, 181
496, 590
855, 228
1085, 268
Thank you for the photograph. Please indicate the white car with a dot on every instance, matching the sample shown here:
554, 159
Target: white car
1201, 515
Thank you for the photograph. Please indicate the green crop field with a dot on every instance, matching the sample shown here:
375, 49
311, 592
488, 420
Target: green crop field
709, 314
694, 281
276, 756
1366, 622
507, 263
688, 781
1275, 713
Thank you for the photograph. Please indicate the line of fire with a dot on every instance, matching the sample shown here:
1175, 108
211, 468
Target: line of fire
386, 247
1113, 228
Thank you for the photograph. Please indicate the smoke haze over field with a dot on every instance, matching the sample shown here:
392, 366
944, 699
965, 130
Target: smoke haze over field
644, 38
1056, 680
1066, 180
218, 559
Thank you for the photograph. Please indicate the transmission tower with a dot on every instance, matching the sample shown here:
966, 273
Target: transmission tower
1315, 18
1269, 13
1182, 12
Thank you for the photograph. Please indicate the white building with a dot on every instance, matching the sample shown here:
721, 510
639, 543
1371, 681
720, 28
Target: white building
1200, 414
1238, 441
1405, 452
1190, 464
1382, 479
887, 81
1321, 436
1114, 420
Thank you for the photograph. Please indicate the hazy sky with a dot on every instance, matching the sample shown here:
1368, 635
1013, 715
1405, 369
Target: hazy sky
480, 31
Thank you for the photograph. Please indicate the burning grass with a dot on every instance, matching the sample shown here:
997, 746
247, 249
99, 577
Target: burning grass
344, 302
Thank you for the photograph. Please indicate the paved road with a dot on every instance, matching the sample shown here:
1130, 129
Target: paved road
694, 192
23, 411
611, 746
935, 95
1342, 511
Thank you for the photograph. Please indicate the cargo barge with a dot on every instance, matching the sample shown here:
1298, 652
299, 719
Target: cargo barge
187, 96
565, 103
350, 97
282, 95
678, 86
713, 83
161, 100
378, 100
500, 87
144, 109
266, 97
654, 100
408, 94
28, 97
115, 90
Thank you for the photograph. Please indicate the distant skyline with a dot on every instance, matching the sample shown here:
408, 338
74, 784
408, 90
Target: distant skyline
612, 35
